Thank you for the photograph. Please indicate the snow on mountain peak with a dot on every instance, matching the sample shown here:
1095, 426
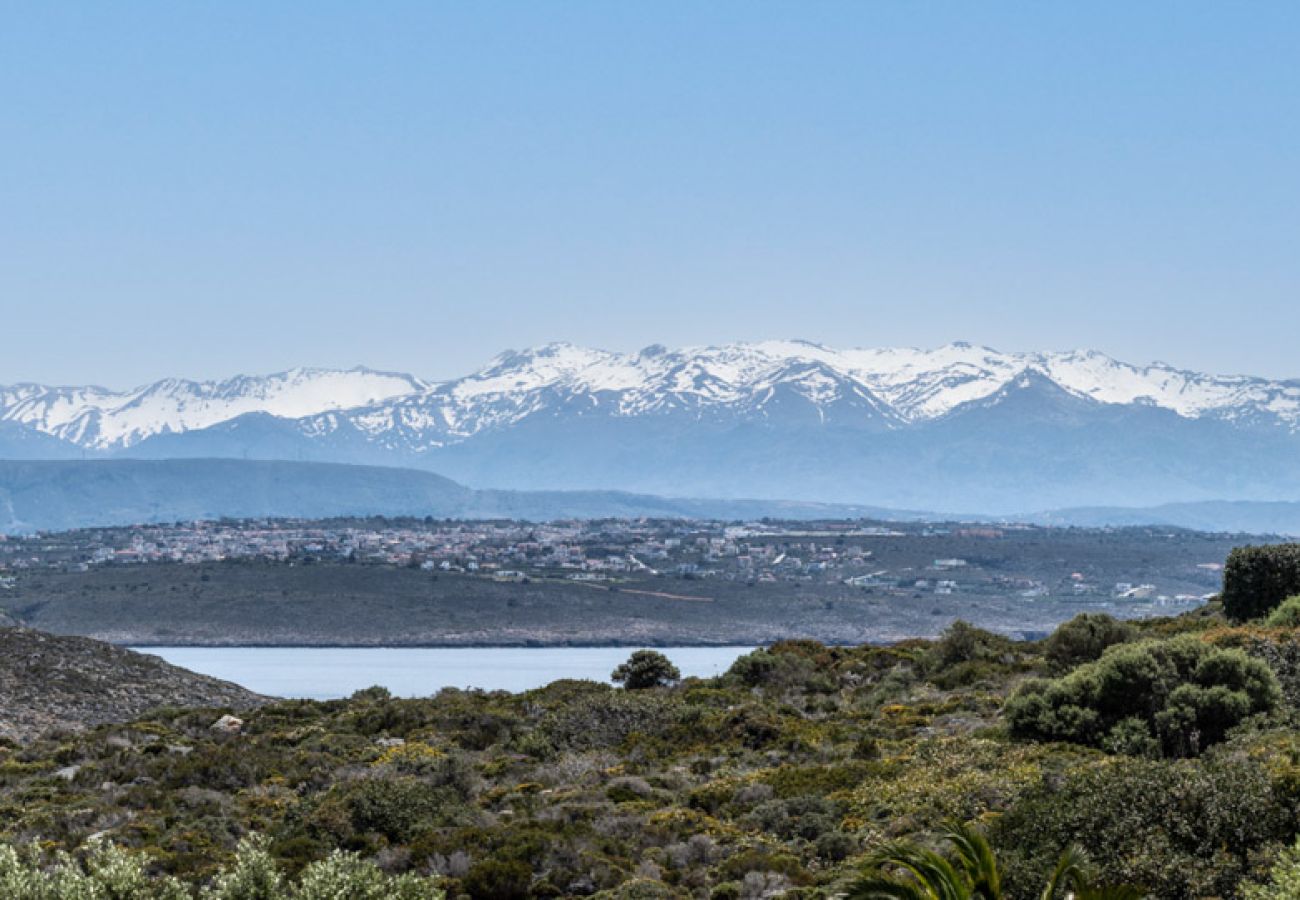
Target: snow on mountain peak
101, 419
917, 385
897, 386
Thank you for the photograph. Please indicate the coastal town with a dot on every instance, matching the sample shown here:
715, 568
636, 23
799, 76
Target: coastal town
1165, 569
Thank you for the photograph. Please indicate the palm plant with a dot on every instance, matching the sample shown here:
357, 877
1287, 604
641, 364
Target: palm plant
905, 870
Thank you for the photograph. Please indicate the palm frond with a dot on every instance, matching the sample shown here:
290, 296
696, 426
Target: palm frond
1071, 871
879, 886
977, 859
908, 871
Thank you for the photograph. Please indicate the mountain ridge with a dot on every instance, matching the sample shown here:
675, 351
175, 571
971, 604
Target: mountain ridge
904, 385
957, 427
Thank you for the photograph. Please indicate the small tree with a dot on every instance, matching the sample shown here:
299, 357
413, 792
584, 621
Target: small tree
646, 669
1257, 579
1084, 638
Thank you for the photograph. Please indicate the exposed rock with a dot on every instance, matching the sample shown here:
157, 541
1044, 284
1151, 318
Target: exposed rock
228, 724
49, 681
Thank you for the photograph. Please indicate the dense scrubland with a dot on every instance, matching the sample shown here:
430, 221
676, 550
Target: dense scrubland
1163, 756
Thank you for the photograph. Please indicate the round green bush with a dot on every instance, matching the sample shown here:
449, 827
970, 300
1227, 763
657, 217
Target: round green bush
1287, 615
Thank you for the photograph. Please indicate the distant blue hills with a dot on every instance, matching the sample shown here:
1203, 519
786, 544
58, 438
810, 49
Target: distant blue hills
50, 495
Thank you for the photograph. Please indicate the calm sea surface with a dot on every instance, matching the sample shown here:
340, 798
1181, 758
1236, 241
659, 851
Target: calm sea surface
322, 673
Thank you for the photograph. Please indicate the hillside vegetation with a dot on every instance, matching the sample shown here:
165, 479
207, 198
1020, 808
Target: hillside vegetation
1111, 760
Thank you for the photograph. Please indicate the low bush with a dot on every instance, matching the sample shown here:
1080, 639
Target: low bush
1187, 828
1084, 638
1287, 614
498, 880
1180, 695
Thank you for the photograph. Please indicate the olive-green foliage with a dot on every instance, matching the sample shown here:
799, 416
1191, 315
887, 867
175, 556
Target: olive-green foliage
1287, 614
1182, 693
646, 669
393, 807
1257, 579
1185, 828
965, 654
798, 666
1281, 651
498, 880
1283, 880
108, 872
1084, 638
604, 720
640, 889
804, 817
756, 669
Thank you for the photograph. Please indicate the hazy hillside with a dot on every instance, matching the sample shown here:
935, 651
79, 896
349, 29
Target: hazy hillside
60, 495
49, 495
1230, 516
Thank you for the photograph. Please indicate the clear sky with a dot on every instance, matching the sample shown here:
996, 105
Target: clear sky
209, 188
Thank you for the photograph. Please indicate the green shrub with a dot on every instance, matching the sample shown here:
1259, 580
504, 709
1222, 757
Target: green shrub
603, 721
1084, 638
1185, 828
755, 669
1185, 693
1287, 615
646, 669
494, 879
962, 642
1257, 579
787, 666
640, 889
396, 807
965, 655
1284, 878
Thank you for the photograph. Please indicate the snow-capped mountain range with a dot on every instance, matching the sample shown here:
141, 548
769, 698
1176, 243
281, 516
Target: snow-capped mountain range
938, 428
897, 386
99, 419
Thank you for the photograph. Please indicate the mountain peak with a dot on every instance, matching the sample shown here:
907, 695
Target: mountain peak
902, 385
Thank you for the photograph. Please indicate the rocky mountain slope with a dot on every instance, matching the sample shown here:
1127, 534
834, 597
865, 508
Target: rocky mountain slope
49, 681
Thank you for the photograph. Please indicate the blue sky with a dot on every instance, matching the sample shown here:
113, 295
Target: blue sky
209, 188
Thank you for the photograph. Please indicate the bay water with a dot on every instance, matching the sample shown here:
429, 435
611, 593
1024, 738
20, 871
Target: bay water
324, 673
